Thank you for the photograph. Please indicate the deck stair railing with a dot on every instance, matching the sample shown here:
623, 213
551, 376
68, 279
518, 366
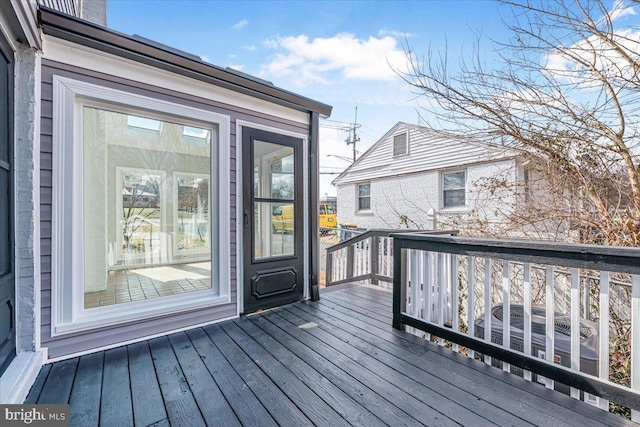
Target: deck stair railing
367, 256
521, 305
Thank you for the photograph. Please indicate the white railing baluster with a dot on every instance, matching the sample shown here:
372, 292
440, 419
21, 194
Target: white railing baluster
415, 285
441, 290
426, 280
487, 305
549, 323
575, 325
527, 314
603, 362
471, 302
635, 339
453, 274
506, 311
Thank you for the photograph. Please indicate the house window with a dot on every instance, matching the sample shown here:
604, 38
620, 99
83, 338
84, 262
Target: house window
136, 232
453, 194
364, 197
400, 144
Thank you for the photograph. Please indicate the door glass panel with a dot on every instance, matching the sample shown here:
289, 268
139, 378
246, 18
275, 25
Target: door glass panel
274, 229
146, 204
273, 171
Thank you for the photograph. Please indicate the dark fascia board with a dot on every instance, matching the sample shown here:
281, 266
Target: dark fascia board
88, 34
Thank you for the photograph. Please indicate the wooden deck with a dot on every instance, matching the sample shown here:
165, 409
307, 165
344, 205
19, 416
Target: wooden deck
336, 362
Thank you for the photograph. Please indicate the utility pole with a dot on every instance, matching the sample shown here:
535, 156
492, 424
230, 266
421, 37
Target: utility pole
352, 137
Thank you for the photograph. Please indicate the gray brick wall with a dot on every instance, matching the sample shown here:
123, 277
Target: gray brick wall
94, 11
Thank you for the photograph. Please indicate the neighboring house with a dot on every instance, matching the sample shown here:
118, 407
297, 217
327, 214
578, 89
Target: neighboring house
413, 171
90, 118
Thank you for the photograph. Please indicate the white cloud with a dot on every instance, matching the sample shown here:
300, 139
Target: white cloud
395, 34
343, 56
249, 47
620, 10
205, 58
270, 44
240, 25
598, 54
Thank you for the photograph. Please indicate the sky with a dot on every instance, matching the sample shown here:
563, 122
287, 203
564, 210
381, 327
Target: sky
341, 53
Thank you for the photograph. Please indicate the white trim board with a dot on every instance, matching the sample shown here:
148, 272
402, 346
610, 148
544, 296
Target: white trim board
84, 57
136, 340
19, 376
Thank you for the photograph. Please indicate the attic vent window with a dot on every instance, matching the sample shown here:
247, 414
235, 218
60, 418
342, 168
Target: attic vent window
400, 144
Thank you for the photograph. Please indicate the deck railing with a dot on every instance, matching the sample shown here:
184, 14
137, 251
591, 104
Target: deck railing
549, 312
367, 256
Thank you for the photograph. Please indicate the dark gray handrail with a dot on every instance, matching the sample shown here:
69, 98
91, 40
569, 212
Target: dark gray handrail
373, 234
607, 258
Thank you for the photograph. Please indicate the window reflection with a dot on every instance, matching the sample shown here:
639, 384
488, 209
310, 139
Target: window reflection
146, 207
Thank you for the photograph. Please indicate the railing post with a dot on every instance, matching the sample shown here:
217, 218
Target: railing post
350, 263
329, 269
399, 278
373, 262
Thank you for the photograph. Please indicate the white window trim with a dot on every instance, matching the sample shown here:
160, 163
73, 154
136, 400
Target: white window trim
67, 309
457, 208
358, 210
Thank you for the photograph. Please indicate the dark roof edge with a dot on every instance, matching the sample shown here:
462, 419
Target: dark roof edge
88, 34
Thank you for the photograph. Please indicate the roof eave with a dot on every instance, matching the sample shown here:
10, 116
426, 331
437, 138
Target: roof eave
88, 34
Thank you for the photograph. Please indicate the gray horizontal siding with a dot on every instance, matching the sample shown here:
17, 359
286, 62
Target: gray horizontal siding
428, 150
69, 344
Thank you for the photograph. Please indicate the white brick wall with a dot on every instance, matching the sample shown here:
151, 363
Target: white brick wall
404, 201
26, 197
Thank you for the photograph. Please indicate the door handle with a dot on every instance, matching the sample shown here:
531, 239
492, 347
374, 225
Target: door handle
246, 218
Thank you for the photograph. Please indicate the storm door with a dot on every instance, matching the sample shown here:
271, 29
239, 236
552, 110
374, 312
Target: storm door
7, 284
272, 219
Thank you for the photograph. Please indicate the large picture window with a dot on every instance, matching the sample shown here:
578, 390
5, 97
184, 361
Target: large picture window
137, 231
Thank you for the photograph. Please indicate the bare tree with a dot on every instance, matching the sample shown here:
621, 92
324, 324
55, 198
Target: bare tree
565, 92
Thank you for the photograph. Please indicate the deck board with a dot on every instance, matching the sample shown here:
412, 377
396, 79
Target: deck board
412, 367
334, 362
148, 406
281, 408
36, 388
181, 406
87, 391
312, 405
387, 412
373, 340
206, 392
421, 387
116, 406
243, 402
315, 376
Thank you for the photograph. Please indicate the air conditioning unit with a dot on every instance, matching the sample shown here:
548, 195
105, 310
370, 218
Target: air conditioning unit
562, 353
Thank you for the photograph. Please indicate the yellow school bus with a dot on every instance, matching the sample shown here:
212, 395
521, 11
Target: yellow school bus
327, 217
